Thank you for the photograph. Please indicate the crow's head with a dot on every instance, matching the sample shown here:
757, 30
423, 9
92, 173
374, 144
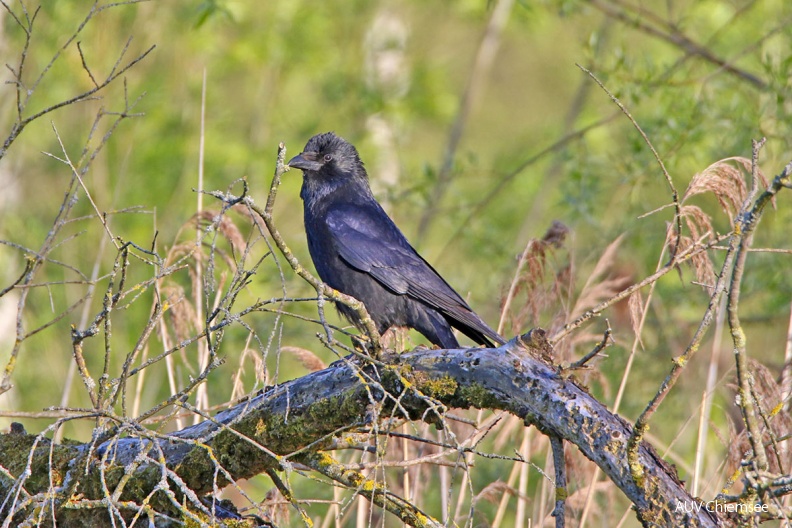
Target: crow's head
328, 157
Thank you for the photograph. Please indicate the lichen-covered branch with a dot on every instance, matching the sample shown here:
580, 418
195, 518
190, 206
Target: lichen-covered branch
745, 228
298, 418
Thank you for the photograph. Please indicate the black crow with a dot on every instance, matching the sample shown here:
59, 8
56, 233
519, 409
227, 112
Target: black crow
358, 250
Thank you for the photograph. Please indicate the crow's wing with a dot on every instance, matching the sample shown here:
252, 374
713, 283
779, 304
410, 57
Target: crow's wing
368, 240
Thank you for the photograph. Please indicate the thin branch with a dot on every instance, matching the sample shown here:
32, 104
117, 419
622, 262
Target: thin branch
675, 37
372, 490
85, 65
746, 224
607, 340
561, 492
66, 160
680, 258
28, 268
669, 180
285, 490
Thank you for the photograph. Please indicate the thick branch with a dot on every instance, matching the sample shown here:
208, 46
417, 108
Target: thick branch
301, 416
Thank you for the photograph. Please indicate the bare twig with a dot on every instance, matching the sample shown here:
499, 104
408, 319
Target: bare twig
374, 491
672, 35
561, 492
76, 173
607, 340
669, 180
680, 258
21, 123
746, 225
38, 258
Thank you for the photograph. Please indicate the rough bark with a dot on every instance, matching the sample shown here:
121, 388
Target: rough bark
301, 416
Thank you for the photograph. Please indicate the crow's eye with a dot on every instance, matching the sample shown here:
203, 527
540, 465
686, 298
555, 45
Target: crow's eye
328, 157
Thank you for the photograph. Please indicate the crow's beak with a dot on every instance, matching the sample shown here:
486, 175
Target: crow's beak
306, 161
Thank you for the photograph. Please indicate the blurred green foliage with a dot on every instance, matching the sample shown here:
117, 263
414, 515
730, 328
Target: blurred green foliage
389, 76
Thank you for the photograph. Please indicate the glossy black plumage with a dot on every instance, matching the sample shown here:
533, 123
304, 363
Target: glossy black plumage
358, 250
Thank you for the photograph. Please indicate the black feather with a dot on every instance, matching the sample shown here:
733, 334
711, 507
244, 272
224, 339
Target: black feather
358, 250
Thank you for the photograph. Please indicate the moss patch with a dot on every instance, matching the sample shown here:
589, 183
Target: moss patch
441, 388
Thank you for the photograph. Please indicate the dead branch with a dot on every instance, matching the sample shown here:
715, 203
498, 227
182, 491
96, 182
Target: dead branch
293, 422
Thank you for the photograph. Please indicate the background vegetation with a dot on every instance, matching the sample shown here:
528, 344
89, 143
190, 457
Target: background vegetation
538, 141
